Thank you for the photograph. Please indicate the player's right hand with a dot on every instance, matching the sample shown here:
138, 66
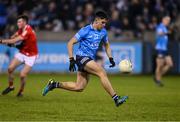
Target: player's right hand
111, 60
72, 66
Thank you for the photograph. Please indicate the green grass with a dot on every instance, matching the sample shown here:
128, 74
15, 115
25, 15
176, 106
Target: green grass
146, 102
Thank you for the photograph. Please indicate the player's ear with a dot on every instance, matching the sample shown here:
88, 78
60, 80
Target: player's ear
96, 20
25, 22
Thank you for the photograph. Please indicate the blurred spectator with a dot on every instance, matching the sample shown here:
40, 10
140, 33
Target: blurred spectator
115, 25
139, 26
88, 13
3, 17
125, 24
153, 23
58, 15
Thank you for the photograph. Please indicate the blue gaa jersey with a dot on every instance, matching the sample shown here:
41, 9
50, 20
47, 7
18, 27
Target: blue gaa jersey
89, 40
161, 40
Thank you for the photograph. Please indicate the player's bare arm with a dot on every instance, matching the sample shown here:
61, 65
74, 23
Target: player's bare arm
70, 46
11, 41
108, 49
14, 35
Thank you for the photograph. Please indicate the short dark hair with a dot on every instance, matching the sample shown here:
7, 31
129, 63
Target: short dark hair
24, 17
101, 14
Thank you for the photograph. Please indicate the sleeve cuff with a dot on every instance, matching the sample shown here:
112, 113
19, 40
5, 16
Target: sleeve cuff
77, 36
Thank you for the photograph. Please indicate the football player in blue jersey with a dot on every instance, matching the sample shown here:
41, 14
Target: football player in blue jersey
163, 59
89, 38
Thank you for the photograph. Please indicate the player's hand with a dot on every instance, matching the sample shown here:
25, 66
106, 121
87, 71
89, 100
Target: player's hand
111, 60
72, 66
0, 41
19, 46
10, 45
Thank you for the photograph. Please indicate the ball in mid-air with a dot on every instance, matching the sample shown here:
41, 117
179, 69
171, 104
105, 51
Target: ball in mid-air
125, 66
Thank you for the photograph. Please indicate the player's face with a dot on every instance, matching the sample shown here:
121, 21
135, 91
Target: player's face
167, 21
21, 23
101, 23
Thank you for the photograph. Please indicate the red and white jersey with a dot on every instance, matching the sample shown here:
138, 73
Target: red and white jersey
29, 41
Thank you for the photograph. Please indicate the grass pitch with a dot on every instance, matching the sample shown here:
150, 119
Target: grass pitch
146, 102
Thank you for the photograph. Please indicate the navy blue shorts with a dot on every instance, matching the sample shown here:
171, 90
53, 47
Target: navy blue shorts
161, 53
81, 61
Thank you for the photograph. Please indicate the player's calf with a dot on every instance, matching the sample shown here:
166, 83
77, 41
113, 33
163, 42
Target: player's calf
10, 70
23, 82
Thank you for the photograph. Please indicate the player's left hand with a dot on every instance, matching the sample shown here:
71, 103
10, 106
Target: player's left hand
111, 60
9, 45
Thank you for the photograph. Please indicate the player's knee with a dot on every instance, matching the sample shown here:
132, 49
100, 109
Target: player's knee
23, 75
102, 74
10, 70
170, 65
79, 88
158, 67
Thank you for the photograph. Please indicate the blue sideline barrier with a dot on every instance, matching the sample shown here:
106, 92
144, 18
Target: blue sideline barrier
53, 56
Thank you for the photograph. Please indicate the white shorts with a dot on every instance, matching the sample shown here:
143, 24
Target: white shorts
28, 60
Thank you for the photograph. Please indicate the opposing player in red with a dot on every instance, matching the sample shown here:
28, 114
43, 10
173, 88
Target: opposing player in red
28, 52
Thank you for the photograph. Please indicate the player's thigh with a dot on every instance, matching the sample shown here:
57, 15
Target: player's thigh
82, 79
14, 63
94, 68
26, 69
30, 60
160, 62
168, 61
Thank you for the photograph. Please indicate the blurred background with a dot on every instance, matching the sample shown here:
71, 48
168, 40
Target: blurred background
131, 30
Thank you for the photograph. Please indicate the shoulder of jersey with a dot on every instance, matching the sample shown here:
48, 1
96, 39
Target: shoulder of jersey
28, 27
87, 27
104, 30
160, 25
